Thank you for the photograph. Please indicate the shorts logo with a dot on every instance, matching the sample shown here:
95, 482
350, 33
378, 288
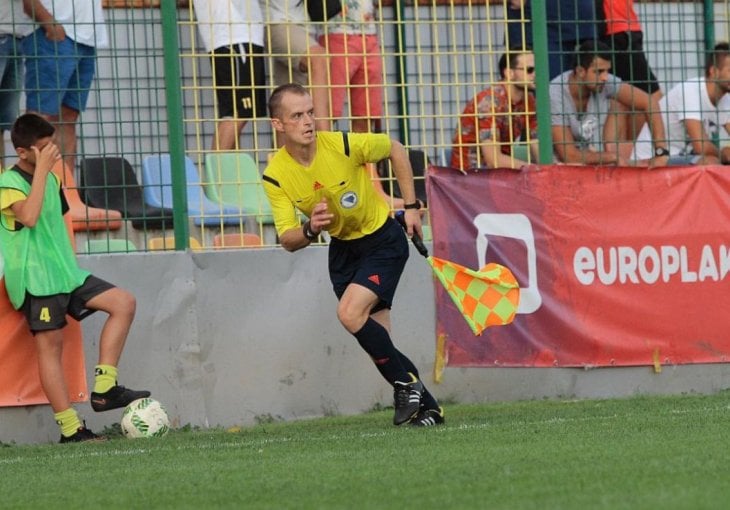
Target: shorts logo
375, 279
348, 200
45, 315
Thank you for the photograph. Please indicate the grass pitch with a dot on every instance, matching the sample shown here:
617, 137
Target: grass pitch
648, 452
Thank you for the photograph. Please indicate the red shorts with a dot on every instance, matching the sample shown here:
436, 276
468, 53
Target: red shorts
355, 64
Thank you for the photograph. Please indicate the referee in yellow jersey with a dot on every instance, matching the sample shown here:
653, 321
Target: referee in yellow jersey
323, 175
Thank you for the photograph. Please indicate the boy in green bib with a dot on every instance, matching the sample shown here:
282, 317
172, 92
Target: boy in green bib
45, 283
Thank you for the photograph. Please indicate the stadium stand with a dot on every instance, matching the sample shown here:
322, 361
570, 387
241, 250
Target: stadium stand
111, 245
157, 192
111, 182
232, 179
168, 243
241, 240
85, 218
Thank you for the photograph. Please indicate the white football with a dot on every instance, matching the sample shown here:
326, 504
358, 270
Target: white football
145, 417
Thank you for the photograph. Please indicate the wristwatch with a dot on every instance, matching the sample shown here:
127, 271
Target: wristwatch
660, 151
415, 205
307, 231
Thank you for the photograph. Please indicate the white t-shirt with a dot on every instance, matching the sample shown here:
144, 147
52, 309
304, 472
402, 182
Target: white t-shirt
83, 20
586, 127
685, 101
289, 11
226, 22
13, 20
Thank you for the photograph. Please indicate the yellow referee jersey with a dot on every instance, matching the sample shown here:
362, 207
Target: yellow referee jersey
338, 174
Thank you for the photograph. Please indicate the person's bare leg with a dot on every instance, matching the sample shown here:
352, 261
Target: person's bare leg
319, 86
66, 135
228, 132
2, 149
50, 368
360, 125
121, 307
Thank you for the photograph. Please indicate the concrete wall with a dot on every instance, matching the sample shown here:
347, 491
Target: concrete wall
233, 338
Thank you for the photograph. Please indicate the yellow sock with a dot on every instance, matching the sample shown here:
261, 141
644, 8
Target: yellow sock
106, 378
68, 421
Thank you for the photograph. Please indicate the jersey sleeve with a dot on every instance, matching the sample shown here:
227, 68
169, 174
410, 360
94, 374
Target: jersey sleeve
369, 147
285, 216
9, 196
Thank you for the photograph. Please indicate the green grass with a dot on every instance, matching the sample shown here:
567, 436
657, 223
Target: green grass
658, 452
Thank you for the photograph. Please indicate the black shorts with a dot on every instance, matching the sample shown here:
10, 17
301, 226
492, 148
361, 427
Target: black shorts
239, 78
375, 261
629, 61
47, 313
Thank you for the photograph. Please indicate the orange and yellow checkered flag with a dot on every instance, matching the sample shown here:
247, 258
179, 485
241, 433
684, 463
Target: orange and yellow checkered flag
488, 297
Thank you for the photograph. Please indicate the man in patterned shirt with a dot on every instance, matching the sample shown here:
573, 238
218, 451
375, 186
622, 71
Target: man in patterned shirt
498, 117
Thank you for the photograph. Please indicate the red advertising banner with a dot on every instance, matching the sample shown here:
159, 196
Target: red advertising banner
617, 266
20, 383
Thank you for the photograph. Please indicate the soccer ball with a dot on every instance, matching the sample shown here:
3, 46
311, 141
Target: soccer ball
145, 417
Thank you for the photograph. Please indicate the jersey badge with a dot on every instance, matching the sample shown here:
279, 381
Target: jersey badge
348, 200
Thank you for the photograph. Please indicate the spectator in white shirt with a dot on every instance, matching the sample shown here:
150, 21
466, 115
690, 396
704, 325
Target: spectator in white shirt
693, 112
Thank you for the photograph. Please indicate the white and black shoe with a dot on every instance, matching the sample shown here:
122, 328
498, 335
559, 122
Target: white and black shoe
407, 399
428, 418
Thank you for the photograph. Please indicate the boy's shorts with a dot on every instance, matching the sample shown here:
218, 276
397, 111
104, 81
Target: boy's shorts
239, 78
375, 261
48, 313
57, 73
355, 65
288, 43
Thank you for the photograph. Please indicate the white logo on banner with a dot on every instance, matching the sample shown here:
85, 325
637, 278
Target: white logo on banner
515, 226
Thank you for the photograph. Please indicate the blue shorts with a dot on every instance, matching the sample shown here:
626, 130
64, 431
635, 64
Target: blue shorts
375, 261
11, 80
57, 73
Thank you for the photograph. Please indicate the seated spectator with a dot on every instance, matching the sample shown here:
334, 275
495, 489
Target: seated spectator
498, 117
693, 112
584, 130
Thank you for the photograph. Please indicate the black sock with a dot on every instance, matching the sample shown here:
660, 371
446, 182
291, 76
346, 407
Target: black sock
375, 340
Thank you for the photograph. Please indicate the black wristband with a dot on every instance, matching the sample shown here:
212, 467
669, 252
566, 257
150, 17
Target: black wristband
414, 205
307, 231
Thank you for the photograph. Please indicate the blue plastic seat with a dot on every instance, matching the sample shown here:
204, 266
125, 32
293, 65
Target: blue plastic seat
157, 190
